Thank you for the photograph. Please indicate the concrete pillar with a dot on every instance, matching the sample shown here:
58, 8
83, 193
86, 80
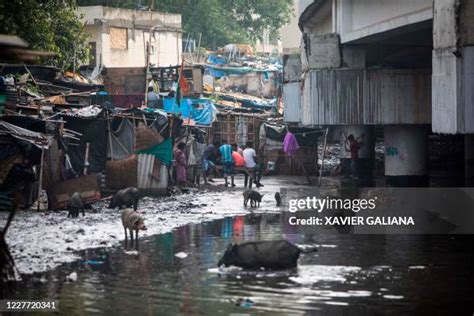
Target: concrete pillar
365, 134
469, 160
453, 70
406, 156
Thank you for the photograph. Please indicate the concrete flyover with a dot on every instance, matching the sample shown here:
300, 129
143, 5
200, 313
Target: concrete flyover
406, 66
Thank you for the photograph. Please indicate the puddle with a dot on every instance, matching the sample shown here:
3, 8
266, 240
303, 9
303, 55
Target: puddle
361, 273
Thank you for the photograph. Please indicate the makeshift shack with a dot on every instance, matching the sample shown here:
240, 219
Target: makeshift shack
140, 150
303, 162
21, 161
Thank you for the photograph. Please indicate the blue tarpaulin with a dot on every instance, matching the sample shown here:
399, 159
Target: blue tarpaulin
216, 60
202, 111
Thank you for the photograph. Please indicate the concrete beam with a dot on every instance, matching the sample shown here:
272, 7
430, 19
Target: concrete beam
292, 68
353, 56
364, 18
320, 51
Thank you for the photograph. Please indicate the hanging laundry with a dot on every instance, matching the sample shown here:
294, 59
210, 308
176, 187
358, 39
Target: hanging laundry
290, 144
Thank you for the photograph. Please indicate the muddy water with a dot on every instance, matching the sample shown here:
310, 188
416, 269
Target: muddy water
349, 275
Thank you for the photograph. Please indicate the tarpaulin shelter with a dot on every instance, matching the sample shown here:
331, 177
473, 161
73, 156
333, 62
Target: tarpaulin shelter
162, 151
202, 111
249, 101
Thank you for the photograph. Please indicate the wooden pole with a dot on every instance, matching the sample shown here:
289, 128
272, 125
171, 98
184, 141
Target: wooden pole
198, 52
134, 134
110, 139
304, 169
86, 158
40, 187
322, 158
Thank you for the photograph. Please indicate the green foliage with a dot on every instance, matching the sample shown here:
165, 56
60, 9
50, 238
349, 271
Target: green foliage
47, 25
220, 21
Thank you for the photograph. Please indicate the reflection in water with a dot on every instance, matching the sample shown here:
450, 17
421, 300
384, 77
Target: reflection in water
352, 274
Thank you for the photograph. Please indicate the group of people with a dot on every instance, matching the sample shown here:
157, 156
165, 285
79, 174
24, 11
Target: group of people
220, 154
153, 92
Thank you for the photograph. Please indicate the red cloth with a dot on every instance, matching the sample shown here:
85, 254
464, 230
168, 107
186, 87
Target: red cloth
238, 159
354, 149
183, 84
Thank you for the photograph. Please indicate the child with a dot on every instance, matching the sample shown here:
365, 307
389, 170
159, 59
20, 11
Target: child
180, 163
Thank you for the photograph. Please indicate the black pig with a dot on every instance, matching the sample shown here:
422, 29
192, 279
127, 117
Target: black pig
271, 255
75, 204
127, 197
254, 197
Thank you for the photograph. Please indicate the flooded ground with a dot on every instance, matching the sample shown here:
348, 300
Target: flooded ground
42, 241
175, 271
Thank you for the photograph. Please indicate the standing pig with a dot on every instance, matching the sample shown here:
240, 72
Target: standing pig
272, 255
254, 197
127, 197
75, 204
132, 221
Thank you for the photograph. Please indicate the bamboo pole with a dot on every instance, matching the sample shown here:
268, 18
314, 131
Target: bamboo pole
86, 158
322, 158
110, 140
40, 186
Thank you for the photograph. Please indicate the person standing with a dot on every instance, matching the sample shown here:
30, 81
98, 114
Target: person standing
353, 146
180, 163
200, 149
250, 158
227, 162
209, 160
152, 98
154, 84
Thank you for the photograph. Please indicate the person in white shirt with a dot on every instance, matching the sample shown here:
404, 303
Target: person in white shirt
250, 157
153, 99
154, 84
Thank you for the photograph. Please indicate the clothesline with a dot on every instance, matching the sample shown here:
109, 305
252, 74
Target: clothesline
313, 132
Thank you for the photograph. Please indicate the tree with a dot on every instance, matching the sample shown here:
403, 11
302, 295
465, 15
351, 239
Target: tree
48, 25
219, 21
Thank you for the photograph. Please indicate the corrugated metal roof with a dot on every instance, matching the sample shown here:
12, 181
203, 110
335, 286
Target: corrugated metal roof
361, 96
37, 139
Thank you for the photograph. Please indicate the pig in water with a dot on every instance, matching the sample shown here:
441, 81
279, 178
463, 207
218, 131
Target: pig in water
75, 204
127, 197
278, 198
271, 255
132, 221
254, 197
